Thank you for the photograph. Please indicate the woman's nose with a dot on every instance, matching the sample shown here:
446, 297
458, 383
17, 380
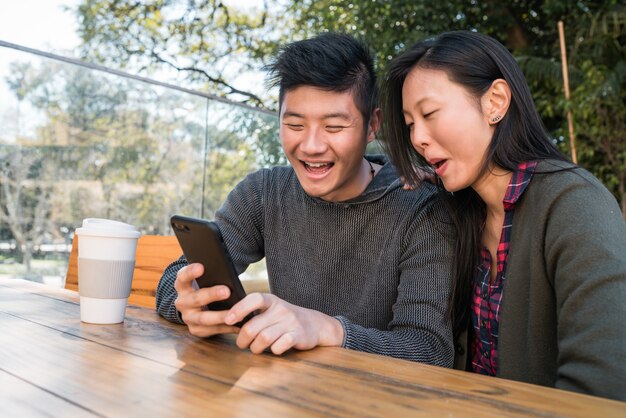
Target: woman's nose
419, 138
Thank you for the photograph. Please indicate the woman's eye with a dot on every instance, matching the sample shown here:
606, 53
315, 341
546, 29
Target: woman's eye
428, 114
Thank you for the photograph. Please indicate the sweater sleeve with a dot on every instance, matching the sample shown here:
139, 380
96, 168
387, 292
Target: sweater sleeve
166, 294
585, 250
240, 222
421, 328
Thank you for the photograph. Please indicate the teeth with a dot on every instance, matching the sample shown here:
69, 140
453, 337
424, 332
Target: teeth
316, 165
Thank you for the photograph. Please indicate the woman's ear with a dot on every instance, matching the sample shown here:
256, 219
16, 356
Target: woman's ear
496, 101
374, 124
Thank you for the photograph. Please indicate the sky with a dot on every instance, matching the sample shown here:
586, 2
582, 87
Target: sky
39, 24
43, 24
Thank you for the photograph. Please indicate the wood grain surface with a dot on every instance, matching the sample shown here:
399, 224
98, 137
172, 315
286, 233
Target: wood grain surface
54, 365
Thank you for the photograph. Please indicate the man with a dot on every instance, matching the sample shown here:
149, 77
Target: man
353, 259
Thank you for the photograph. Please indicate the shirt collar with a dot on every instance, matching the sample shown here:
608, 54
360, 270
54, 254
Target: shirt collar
519, 181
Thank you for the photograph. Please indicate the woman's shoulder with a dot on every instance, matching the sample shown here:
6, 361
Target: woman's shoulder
564, 175
569, 189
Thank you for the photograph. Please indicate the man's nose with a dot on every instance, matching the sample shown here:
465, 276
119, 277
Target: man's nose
313, 142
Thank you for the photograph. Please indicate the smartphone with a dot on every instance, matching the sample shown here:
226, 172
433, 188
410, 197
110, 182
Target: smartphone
202, 243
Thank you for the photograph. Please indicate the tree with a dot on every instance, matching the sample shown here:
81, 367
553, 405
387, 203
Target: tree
599, 97
24, 203
212, 43
110, 147
188, 32
209, 41
597, 62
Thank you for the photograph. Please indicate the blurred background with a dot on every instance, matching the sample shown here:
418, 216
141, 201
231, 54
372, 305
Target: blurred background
136, 110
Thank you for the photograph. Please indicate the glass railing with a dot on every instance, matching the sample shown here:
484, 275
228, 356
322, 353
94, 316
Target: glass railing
79, 140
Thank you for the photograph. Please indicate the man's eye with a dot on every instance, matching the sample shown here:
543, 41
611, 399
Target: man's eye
294, 126
335, 128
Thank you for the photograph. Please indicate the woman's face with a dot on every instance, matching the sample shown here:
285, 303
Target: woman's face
447, 126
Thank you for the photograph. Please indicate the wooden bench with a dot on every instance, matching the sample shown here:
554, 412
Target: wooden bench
154, 254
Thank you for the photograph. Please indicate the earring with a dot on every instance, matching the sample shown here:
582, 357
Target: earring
496, 118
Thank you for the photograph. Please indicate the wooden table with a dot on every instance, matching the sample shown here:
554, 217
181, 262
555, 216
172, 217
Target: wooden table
51, 364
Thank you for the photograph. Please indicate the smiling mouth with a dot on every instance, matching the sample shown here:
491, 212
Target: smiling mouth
317, 168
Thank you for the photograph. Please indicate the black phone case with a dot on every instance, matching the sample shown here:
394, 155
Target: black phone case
202, 243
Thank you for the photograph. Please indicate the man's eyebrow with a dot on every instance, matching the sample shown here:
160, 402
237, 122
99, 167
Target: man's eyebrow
341, 115
288, 113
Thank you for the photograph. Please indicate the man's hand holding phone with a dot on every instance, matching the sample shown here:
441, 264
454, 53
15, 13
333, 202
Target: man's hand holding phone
191, 302
280, 326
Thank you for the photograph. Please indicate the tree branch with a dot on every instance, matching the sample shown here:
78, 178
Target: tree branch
231, 89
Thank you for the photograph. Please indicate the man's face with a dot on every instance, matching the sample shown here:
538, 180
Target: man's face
324, 137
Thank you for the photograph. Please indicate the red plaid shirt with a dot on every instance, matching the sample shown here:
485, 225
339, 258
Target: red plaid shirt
486, 295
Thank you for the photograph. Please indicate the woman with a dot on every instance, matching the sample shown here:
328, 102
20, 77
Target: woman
541, 253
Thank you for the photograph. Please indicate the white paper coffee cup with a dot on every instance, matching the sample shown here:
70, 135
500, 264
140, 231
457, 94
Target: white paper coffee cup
106, 261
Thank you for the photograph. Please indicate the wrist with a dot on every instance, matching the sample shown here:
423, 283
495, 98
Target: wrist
332, 334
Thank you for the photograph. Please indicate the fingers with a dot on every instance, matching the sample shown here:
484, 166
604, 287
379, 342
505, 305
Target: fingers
284, 343
280, 326
406, 185
190, 302
203, 323
197, 299
208, 323
260, 331
426, 175
258, 342
251, 303
274, 337
197, 318
186, 276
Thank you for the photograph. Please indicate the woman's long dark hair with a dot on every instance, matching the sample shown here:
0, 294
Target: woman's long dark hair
474, 61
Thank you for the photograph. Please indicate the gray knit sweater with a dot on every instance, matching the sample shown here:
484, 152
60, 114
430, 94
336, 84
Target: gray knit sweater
379, 263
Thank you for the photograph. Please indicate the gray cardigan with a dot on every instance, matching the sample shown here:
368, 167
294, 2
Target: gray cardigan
380, 263
563, 314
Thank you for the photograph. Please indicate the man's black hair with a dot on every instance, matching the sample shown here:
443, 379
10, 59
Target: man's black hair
330, 61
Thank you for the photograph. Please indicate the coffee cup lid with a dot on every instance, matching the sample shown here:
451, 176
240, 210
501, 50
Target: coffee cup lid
107, 228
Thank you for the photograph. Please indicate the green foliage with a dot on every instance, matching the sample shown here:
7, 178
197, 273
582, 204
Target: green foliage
25, 205
598, 102
204, 38
108, 147
213, 43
